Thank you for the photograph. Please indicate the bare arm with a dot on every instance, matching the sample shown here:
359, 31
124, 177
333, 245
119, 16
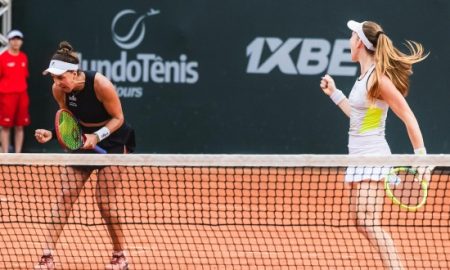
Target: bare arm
107, 95
329, 88
400, 107
345, 107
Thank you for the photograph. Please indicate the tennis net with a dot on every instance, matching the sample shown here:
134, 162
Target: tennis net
218, 212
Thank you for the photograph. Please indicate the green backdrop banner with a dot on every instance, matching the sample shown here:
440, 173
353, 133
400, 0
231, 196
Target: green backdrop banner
235, 76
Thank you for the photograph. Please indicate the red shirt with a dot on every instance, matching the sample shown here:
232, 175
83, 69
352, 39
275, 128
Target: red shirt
13, 72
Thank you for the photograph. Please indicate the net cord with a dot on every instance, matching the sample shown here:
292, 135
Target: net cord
224, 160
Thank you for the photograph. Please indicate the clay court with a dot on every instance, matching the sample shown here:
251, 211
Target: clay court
219, 218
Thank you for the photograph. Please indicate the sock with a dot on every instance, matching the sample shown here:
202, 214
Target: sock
48, 252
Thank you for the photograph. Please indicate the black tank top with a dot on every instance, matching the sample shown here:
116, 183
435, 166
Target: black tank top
84, 104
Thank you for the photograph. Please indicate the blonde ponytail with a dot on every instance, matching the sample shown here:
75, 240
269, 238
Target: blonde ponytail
390, 61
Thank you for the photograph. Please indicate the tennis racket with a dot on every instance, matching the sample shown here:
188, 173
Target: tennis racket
68, 132
407, 187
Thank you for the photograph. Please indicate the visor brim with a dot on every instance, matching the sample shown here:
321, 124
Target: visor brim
54, 71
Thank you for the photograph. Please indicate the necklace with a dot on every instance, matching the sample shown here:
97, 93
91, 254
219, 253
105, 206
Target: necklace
365, 73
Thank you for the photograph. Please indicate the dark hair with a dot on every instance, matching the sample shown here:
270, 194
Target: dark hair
66, 53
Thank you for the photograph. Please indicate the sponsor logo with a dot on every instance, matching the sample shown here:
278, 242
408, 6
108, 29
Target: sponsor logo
131, 70
72, 98
132, 39
300, 56
145, 67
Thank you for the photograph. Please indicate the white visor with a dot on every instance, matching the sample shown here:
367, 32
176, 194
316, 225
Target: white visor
58, 67
358, 29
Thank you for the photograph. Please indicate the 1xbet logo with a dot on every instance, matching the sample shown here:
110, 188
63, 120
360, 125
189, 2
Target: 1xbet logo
304, 56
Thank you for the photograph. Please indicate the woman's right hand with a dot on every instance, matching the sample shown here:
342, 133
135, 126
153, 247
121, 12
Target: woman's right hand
327, 84
43, 135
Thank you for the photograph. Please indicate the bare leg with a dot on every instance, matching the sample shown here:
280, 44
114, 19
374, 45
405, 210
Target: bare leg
18, 139
72, 182
5, 139
369, 197
107, 185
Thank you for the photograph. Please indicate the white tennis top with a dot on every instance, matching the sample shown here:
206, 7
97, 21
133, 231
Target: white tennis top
367, 118
366, 132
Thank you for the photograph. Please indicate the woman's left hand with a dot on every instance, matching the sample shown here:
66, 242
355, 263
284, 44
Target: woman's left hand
91, 141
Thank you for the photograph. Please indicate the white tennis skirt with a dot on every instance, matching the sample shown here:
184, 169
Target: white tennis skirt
367, 145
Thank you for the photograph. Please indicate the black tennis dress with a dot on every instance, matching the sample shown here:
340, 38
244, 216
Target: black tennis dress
87, 108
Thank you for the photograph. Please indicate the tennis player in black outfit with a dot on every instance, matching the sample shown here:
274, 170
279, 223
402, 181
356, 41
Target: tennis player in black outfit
92, 99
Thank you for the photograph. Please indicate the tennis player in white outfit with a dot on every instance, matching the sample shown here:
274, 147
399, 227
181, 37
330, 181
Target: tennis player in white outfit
383, 84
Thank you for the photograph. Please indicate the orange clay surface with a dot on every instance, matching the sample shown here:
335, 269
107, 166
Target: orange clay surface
217, 218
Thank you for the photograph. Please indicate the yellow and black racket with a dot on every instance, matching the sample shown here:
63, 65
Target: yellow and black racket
69, 133
407, 187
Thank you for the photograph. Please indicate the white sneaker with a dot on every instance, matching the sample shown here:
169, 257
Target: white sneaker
118, 261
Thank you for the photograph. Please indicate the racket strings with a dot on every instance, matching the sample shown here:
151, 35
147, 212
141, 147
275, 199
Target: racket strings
406, 188
70, 132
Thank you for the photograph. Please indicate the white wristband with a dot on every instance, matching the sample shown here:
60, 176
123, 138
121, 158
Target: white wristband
102, 133
420, 151
337, 96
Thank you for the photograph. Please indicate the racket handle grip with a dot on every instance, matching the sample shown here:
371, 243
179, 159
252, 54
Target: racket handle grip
100, 150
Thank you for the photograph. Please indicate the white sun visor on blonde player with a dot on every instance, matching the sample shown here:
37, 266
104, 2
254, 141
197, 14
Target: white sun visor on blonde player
358, 28
58, 67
